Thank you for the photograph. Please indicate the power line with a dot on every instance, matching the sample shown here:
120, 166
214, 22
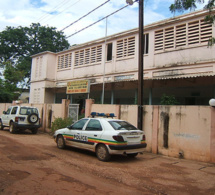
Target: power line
62, 11
61, 4
98, 21
85, 15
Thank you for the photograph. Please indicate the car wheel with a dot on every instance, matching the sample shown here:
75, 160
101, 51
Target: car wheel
132, 155
60, 142
34, 131
1, 125
33, 118
12, 129
102, 153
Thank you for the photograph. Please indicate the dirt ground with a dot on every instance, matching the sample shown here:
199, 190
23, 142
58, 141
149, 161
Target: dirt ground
32, 164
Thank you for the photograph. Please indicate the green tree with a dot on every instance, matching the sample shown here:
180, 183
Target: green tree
8, 86
18, 44
183, 5
4, 95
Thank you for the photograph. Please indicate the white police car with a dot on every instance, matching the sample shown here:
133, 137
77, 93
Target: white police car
105, 136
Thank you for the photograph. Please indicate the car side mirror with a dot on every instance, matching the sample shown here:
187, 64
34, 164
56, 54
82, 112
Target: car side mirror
4, 112
69, 127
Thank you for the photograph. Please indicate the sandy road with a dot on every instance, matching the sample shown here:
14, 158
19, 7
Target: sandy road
32, 164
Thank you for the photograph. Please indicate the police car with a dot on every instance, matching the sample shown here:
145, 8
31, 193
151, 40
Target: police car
104, 135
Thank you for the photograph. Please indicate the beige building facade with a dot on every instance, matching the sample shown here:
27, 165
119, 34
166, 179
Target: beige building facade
177, 61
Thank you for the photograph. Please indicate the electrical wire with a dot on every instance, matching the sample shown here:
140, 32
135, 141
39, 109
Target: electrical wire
64, 2
62, 11
85, 15
99, 20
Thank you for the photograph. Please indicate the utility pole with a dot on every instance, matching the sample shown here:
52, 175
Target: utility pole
140, 67
140, 64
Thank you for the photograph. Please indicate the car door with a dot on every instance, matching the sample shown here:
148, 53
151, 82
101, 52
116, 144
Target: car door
6, 117
73, 135
92, 133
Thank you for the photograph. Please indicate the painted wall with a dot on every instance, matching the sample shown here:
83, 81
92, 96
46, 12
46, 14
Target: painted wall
176, 131
185, 130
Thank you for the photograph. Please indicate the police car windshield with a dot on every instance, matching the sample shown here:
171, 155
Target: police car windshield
122, 125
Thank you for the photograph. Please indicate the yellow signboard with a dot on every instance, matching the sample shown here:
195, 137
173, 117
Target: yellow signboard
81, 86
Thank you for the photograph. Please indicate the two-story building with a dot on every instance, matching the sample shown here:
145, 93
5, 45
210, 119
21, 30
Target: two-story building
177, 61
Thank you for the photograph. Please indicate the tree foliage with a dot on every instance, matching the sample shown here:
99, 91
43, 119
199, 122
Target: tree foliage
17, 45
183, 5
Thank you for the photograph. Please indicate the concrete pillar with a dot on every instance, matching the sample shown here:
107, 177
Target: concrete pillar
155, 129
117, 111
88, 106
212, 141
65, 105
44, 113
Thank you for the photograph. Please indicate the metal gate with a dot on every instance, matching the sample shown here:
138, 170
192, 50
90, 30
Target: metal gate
73, 111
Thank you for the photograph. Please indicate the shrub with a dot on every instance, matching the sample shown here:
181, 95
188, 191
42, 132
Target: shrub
168, 100
60, 123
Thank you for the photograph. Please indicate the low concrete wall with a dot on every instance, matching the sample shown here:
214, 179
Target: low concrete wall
184, 131
176, 131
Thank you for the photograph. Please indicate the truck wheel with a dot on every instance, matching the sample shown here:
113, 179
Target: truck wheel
12, 129
102, 153
1, 125
33, 118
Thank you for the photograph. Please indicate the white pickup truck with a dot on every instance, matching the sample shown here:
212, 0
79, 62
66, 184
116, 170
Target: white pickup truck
19, 118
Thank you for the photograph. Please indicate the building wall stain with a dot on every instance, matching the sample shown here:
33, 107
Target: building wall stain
165, 121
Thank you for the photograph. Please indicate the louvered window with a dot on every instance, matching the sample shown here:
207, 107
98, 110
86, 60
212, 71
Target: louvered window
131, 46
39, 63
206, 31
193, 33
88, 56
81, 57
181, 34
99, 54
169, 38
64, 61
76, 58
159, 40
93, 55
125, 47
36, 96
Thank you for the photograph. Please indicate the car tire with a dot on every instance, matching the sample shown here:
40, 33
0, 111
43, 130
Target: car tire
133, 155
60, 142
33, 118
12, 128
34, 131
102, 153
1, 125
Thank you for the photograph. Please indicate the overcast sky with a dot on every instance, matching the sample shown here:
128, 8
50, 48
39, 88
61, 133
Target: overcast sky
61, 13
